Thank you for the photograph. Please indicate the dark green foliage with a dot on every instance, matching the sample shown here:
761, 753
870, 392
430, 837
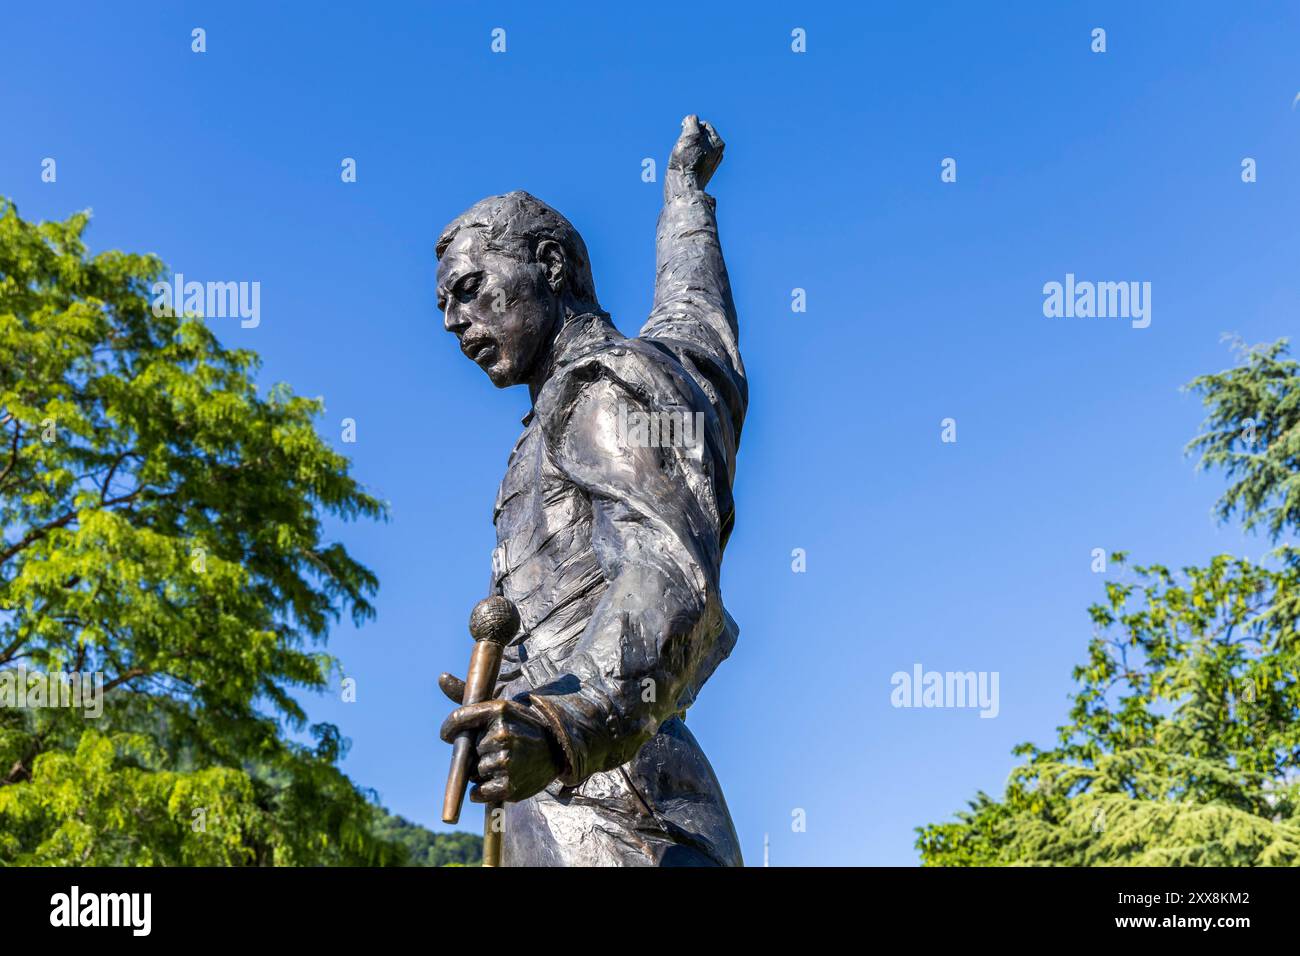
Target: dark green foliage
1253, 435
426, 848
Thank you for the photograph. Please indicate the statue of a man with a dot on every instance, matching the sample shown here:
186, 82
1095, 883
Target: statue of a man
611, 523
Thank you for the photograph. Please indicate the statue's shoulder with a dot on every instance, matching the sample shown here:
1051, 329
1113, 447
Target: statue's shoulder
635, 372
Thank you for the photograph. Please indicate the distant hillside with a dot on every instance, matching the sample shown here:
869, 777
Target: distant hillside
426, 848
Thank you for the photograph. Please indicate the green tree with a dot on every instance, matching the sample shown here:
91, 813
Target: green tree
426, 848
1252, 433
161, 525
1183, 746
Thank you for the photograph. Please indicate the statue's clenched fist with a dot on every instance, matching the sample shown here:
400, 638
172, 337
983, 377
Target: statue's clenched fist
694, 159
517, 755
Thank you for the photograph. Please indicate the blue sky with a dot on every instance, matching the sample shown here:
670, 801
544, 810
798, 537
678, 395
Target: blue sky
924, 301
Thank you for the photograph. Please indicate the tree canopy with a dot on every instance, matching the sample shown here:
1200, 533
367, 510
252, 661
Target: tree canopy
162, 528
1183, 743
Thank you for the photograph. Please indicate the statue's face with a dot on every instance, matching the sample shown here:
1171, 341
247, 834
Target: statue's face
502, 310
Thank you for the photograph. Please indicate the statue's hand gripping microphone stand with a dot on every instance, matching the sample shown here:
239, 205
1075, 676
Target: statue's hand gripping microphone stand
493, 622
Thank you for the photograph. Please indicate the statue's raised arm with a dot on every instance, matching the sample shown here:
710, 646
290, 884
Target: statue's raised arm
693, 309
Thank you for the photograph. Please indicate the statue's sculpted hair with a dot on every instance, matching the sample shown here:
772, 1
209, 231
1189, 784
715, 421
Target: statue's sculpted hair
513, 224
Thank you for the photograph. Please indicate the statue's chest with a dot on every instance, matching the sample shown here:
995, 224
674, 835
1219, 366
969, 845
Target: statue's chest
544, 561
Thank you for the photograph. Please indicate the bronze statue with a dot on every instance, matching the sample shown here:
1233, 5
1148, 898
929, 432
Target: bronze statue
611, 523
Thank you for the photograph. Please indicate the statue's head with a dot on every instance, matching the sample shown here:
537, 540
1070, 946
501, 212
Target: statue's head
510, 271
